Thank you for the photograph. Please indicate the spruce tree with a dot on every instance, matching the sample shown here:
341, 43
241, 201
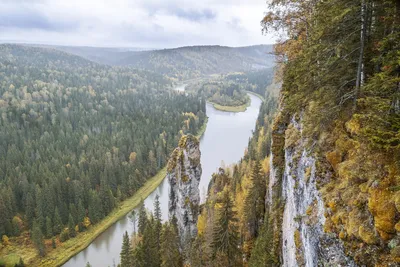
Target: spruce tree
225, 234
71, 226
37, 238
169, 247
126, 257
142, 222
57, 223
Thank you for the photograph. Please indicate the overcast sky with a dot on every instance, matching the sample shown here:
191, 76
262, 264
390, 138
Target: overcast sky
133, 23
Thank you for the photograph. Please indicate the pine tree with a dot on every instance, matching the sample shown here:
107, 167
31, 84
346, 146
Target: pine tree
49, 227
169, 247
71, 226
254, 202
37, 238
126, 257
225, 234
57, 224
157, 228
142, 222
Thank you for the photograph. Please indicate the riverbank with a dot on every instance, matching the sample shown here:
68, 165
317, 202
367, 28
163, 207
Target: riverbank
240, 108
22, 246
257, 95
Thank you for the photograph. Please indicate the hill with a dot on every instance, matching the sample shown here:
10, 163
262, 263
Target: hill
184, 62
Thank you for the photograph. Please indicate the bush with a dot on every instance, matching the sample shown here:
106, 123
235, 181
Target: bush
64, 236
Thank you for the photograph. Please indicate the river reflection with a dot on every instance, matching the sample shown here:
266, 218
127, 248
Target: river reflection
224, 140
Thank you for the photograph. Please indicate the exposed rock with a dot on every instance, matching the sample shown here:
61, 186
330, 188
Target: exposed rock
304, 242
184, 172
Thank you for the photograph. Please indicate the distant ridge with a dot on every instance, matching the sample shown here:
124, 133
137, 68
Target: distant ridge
182, 62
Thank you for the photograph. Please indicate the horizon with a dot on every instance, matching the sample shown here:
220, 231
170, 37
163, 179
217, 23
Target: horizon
13, 42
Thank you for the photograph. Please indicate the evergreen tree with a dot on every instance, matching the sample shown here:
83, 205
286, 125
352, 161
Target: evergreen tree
169, 247
57, 225
49, 227
126, 257
37, 238
142, 221
254, 202
71, 226
225, 235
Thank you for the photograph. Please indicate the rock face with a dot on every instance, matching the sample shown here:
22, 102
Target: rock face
303, 241
184, 172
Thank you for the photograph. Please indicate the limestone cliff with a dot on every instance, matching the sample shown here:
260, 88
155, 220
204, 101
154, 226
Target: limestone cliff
184, 172
296, 206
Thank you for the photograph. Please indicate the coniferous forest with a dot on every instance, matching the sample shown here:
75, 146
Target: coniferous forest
318, 185
77, 137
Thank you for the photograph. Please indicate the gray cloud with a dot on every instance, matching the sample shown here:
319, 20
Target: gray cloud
32, 19
147, 23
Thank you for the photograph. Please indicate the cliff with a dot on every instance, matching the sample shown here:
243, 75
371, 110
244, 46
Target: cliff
184, 173
298, 206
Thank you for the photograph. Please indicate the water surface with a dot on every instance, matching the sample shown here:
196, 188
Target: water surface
224, 140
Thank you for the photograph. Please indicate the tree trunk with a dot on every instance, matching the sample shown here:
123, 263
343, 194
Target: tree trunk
360, 68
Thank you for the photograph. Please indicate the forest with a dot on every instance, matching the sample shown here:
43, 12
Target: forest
229, 90
183, 63
76, 138
229, 221
335, 135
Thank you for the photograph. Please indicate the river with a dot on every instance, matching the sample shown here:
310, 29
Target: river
224, 140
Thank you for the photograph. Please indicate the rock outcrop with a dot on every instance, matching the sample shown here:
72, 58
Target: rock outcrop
184, 172
297, 205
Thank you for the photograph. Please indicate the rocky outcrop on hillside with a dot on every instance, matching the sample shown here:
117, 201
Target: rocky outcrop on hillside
297, 204
184, 172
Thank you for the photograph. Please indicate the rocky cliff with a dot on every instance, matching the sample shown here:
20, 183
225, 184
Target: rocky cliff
296, 206
184, 172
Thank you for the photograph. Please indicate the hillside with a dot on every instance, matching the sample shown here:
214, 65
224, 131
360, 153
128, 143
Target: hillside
76, 139
185, 62
320, 183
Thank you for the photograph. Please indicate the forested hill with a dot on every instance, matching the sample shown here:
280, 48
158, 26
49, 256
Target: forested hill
77, 137
184, 62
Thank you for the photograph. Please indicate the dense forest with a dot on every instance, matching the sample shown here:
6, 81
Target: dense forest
185, 62
229, 221
77, 137
230, 89
319, 186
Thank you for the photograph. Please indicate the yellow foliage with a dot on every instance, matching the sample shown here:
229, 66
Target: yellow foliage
334, 158
297, 239
132, 157
342, 235
292, 136
367, 235
5, 240
201, 223
86, 222
353, 126
383, 210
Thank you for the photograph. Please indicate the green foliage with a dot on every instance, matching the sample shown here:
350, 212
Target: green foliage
169, 247
225, 233
67, 129
37, 238
126, 252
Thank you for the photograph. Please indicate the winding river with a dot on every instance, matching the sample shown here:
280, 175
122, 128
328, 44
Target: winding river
224, 140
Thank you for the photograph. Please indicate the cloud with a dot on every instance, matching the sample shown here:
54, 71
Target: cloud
138, 23
32, 19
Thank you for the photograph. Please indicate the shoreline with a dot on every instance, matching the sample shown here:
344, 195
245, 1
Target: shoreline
241, 108
67, 250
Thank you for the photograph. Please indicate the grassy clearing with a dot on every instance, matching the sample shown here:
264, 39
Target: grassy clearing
240, 108
22, 246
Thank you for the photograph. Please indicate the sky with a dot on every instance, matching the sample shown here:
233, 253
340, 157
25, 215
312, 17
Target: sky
133, 23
